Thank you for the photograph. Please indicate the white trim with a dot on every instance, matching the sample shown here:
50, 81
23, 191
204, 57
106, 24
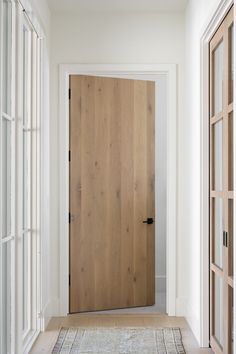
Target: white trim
19, 182
210, 28
11, 241
1, 168
7, 239
32, 17
46, 316
7, 117
33, 335
143, 71
44, 248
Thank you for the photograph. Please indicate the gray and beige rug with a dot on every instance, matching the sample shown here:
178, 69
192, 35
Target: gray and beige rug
119, 341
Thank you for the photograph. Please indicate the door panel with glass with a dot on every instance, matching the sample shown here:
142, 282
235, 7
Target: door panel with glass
7, 190
20, 72
221, 187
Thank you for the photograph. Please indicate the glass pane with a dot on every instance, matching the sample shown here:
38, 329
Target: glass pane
218, 232
6, 177
25, 75
231, 319
231, 63
231, 152
26, 132
231, 237
26, 318
6, 297
6, 57
24, 205
218, 156
26, 285
218, 309
218, 60
26, 180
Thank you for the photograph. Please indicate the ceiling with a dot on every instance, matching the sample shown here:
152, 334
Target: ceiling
78, 6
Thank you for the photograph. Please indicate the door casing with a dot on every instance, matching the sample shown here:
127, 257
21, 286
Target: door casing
131, 71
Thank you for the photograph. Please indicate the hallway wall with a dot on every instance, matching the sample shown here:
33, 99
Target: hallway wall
198, 13
107, 38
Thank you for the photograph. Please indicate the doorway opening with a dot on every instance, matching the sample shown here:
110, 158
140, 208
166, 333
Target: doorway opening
168, 74
112, 212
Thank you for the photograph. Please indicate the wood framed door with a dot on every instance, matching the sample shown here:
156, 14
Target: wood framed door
221, 187
112, 262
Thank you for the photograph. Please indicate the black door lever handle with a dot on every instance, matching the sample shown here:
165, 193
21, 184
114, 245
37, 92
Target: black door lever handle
225, 238
149, 221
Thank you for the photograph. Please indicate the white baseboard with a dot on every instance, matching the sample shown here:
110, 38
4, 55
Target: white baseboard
52, 309
193, 321
160, 283
31, 342
46, 315
185, 309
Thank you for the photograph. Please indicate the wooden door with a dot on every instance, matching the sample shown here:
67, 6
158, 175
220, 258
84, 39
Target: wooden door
111, 193
221, 187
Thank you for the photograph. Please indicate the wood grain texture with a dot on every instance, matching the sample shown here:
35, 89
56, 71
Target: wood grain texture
226, 195
112, 191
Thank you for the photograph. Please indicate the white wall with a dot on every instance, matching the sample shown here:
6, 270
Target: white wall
43, 13
197, 15
106, 38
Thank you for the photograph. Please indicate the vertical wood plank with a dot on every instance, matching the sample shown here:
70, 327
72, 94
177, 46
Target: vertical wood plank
82, 194
151, 192
114, 255
126, 88
101, 191
140, 192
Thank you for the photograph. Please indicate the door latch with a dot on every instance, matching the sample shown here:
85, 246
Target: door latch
149, 221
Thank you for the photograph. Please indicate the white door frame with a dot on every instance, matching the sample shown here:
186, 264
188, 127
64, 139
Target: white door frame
210, 28
132, 71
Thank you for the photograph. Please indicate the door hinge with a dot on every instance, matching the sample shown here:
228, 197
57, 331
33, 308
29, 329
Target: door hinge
69, 218
69, 279
69, 93
69, 156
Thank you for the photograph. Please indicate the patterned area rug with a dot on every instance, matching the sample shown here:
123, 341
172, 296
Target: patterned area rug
119, 341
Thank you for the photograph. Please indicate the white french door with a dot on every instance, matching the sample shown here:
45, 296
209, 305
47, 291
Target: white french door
7, 185
19, 180
29, 131
222, 188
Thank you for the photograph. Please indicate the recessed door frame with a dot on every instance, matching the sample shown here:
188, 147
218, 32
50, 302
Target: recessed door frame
131, 71
212, 24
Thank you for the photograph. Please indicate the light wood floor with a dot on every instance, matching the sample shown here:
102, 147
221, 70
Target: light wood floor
46, 340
